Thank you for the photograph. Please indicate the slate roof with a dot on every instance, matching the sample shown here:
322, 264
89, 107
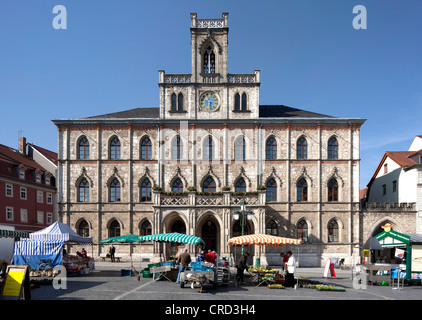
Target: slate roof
265, 111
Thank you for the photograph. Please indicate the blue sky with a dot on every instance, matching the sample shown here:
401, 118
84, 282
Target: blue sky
309, 54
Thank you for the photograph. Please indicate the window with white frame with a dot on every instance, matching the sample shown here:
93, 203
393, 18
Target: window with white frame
40, 197
49, 198
38, 178
24, 215
47, 180
9, 213
9, 190
49, 217
23, 193
40, 217
22, 174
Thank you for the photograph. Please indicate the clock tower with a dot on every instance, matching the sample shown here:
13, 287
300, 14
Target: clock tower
209, 92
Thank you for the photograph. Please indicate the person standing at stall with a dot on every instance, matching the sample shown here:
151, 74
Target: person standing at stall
290, 270
112, 251
184, 260
241, 266
201, 256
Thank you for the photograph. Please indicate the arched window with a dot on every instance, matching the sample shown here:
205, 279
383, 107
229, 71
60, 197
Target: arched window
83, 229
146, 191
177, 186
240, 185
115, 149
83, 149
179, 227
209, 148
180, 102
333, 149
302, 230
271, 149
83, 191
209, 185
302, 190
177, 148
271, 228
146, 149
114, 229
240, 149
244, 102
237, 102
333, 190
302, 149
146, 228
333, 231
115, 191
209, 60
271, 190
173, 102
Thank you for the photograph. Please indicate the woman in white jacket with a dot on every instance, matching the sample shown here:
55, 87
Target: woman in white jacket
290, 270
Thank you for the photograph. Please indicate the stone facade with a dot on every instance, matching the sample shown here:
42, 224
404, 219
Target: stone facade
210, 127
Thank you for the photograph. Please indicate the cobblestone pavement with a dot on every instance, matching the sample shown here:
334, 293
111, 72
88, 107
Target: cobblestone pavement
106, 283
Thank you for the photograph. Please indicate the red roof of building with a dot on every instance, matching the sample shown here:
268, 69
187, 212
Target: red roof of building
50, 155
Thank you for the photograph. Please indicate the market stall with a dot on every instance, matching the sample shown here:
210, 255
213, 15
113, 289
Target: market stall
168, 269
78, 264
402, 252
264, 275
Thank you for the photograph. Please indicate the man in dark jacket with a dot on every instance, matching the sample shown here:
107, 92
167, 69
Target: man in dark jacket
184, 260
241, 266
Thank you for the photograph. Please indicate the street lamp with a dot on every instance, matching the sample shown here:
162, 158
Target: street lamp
242, 214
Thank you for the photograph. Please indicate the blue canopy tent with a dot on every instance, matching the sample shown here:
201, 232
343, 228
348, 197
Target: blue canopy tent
33, 252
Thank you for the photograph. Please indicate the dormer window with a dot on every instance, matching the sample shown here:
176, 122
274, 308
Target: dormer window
209, 60
38, 178
21, 173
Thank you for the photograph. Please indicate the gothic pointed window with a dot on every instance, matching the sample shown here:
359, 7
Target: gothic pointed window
177, 186
302, 149
177, 148
209, 60
209, 148
209, 185
271, 228
333, 190
180, 102
333, 149
83, 229
115, 191
146, 149
146, 190
271, 190
271, 149
83, 191
244, 102
302, 230
146, 228
333, 231
302, 190
240, 185
240, 149
83, 149
173, 102
114, 229
115, 149
237, 102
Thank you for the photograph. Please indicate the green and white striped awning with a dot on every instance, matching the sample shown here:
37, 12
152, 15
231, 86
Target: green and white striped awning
13, 234
173, 237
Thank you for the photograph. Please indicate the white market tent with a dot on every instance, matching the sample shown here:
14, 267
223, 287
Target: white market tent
60, 231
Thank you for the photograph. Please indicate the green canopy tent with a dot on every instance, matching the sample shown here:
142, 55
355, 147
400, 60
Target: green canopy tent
128, 238
178, 238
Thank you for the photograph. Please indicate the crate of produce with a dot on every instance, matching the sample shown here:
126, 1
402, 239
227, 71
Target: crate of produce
146, 274
153, 265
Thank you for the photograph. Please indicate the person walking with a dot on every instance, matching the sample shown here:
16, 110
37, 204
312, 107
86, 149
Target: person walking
241, 266
112, 251
290, 270
184, 260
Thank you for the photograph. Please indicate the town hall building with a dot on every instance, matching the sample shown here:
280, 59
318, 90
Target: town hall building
188, 164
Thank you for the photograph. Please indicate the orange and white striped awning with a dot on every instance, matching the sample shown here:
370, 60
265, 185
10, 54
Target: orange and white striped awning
263, 240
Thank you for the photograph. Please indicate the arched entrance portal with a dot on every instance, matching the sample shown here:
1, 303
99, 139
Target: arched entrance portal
209, 235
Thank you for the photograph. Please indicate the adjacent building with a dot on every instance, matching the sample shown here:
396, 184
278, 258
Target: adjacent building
187, 165
27, 189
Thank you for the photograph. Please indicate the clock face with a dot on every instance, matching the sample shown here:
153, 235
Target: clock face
209, 101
